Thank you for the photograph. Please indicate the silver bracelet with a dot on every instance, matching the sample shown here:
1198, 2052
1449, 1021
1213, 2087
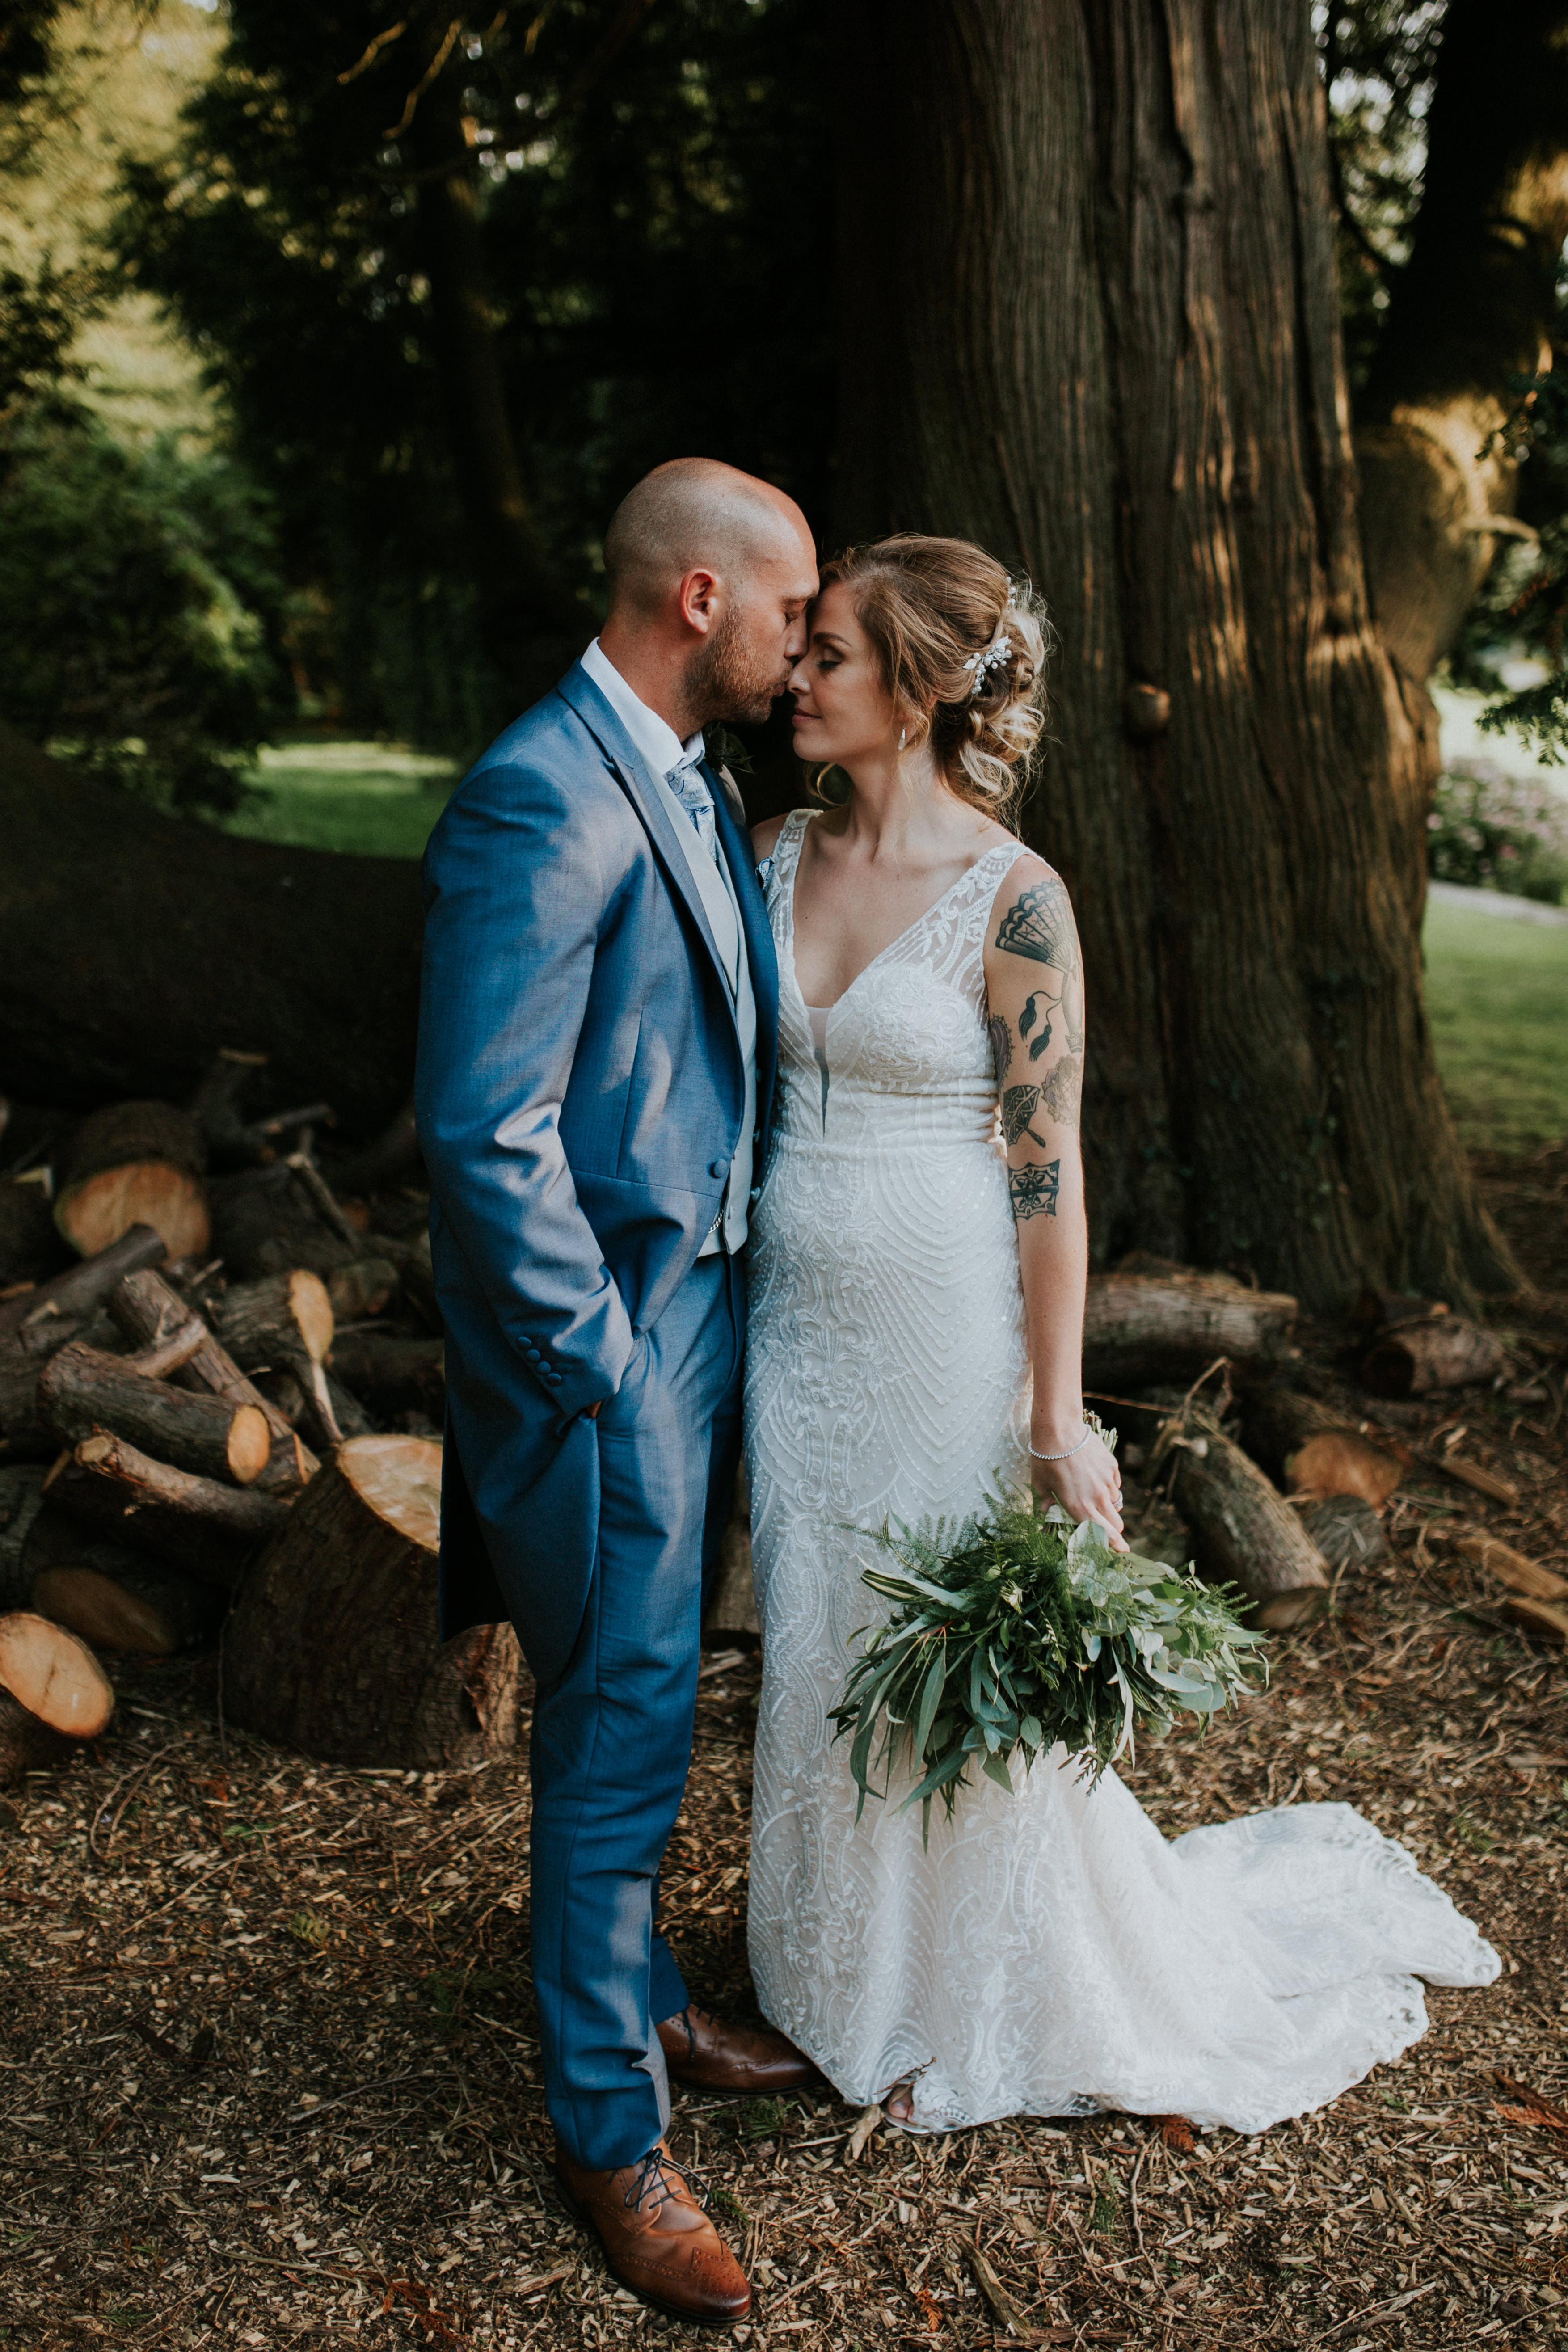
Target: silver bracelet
1068, 1456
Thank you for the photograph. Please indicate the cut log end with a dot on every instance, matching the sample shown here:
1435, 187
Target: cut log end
400, 1478
52, 1691
249, 1444
101, 1208
103, 1612
1342, 1461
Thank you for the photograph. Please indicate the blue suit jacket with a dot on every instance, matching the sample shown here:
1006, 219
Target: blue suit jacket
580, 1093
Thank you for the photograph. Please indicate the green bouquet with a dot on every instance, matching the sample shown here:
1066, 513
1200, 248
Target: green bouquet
1015, 1629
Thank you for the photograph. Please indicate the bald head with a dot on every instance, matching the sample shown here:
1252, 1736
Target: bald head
711, 576
696, 514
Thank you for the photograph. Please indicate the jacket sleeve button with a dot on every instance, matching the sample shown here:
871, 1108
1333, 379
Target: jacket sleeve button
717, 1167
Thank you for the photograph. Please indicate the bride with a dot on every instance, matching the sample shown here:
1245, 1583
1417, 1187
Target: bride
916, 1300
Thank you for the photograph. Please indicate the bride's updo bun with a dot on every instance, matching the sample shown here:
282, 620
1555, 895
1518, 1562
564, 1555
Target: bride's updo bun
963, 649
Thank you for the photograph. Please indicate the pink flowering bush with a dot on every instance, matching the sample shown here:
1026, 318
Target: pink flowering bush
1499, 832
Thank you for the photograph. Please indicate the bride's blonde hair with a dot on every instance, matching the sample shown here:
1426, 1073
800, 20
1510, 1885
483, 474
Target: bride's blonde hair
963, 649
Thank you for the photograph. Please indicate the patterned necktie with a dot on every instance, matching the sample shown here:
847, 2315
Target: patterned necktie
686, 783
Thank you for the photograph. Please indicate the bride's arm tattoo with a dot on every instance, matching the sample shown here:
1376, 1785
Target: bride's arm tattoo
1034, 1191
1040, 1009
1058, 1097
1038, 926
1062, 1093
1018, 1106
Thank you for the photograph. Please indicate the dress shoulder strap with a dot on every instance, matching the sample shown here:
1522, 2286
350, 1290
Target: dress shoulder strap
778, 867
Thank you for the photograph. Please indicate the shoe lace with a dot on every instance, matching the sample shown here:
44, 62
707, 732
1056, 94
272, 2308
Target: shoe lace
654, 2166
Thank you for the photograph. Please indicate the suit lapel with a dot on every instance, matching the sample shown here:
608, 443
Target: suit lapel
578, 689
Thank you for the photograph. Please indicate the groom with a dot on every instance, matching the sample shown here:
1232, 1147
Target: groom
596, 1049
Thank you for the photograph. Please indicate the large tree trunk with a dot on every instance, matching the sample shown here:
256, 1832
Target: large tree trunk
135, 945
1090, 321
1476, 305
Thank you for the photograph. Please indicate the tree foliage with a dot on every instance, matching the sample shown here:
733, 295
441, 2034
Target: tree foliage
134, 591
645, 198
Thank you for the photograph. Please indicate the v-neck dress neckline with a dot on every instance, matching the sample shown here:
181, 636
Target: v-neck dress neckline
799, 819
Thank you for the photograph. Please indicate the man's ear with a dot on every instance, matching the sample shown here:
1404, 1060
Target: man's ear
699, 593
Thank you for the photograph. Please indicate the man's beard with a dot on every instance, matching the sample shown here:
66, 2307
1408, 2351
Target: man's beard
727, 681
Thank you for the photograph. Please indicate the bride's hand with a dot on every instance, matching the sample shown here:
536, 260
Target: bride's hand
1087, 1485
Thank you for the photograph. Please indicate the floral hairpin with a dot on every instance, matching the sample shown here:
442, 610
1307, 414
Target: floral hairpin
996, 655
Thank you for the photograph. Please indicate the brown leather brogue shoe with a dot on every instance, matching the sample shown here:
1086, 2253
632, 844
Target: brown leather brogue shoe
657, 2236
754, 2063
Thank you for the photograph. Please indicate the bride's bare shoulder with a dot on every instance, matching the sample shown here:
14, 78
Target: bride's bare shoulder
765, 836
1027, 870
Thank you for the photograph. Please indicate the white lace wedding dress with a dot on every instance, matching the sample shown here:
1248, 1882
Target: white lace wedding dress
1052, 1951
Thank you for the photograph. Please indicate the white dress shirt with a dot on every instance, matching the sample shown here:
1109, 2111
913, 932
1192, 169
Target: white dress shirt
661, 748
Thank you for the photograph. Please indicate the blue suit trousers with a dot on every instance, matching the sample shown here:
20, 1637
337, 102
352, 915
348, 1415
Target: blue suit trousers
612, 1734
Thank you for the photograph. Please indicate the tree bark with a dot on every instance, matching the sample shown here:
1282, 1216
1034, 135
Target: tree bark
25, 1435
82, 1391
1139, 1327
195, 1524
1090, 319
144, 1308
82, 1287
393, 1375
333, 1645
266, 1222
1476, 304
1243, 1532
53, 1692
361, 1288
283, 1319
135, 945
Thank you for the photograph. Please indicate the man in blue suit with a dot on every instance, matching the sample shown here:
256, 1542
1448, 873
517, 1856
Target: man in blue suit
596, 1050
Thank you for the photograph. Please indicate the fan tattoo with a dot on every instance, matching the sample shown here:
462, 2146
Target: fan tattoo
1039, 926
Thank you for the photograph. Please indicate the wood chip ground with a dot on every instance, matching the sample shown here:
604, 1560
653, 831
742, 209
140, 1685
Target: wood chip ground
268, 2074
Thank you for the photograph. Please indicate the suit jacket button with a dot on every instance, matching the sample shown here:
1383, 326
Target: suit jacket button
717, 1167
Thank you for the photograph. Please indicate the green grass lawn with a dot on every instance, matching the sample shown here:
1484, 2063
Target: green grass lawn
372, 799
1497, 992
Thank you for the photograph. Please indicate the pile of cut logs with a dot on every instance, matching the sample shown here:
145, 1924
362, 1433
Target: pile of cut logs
1272, 1478
221, 1392
222, 1388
